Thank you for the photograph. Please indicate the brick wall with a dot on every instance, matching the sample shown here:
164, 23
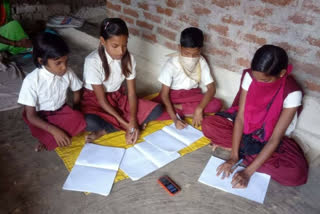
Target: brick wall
233, 29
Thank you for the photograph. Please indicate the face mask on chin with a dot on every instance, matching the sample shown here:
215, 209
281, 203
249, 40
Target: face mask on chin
189, 63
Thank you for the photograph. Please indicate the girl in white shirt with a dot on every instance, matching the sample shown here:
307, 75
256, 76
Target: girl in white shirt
44, 92
105, 103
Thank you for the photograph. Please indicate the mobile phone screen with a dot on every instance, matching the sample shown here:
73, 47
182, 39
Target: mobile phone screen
168, 185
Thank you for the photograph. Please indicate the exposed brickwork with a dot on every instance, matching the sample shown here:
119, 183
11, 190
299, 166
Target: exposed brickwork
233, 29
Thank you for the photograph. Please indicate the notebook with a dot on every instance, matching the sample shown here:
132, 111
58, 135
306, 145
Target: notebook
95, 169
255, 191
170, 139
144, 158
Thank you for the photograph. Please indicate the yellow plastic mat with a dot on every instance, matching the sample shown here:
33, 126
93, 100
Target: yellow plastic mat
70, 154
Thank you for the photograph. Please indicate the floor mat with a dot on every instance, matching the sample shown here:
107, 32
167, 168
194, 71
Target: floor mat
117, 139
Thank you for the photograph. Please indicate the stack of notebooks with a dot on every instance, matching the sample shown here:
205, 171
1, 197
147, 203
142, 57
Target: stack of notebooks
97, 166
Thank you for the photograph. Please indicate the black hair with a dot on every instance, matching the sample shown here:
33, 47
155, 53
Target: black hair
191, 37
114, 27
270, 60
48, 46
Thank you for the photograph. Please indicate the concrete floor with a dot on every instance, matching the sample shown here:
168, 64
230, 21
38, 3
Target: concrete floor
32, 182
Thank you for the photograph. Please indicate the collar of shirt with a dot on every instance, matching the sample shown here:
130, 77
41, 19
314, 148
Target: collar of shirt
47, 74
110, 59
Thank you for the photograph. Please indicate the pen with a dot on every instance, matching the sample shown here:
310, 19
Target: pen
132, 130
178, 116
237, 164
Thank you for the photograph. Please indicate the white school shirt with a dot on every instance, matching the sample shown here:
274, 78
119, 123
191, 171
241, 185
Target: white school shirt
94, 73
293, 99
46, 91
173, 76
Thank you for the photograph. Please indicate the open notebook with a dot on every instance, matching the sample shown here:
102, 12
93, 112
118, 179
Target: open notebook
144, 158
256, 190
170, 139
95, 169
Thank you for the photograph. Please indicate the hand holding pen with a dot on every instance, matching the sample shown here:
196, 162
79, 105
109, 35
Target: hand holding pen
179, 123
132, 135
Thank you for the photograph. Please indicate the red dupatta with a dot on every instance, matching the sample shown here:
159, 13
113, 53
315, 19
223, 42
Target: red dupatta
264, 103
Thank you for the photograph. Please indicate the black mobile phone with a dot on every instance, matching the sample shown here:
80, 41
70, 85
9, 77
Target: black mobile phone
171, 187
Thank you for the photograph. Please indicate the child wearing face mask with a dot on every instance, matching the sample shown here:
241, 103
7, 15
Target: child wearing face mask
181, 77
107, 105
44, 92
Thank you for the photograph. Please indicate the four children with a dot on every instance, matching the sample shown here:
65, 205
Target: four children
255, 127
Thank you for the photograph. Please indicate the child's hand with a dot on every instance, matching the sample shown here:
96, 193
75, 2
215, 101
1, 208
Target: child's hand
197, 117
225, 168
240, 179
25, 43
180, 124
60, 136
132, 133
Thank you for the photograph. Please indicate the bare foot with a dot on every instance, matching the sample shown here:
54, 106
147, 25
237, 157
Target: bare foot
40, 147
144, 126
215, 146
94, 135
177, 106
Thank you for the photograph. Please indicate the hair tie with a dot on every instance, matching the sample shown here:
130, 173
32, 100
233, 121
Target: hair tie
105, 28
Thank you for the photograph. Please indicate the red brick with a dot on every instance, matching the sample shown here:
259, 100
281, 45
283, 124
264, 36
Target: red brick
254, 39
165, 11
134, 31
172, 46
152, 17
301, 19
201, 10
298, 50
130, 12
227, 66
312, 5
307, 68
173, 25
312, 86
269, 28
244, 62
144, 24
230, 20
229, 43
260, 11
150, 37
279, 2
174, 3
215, 51
313, 41
168, 34
128, 2
226, 3
115, 7
127, 19
189, 20
221, 29
144, 6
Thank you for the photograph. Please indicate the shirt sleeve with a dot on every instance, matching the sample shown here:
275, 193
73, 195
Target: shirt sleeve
166, 73
206, 77
28, 95
133, 70
93, 73
75, 82
294, 99
247, 80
